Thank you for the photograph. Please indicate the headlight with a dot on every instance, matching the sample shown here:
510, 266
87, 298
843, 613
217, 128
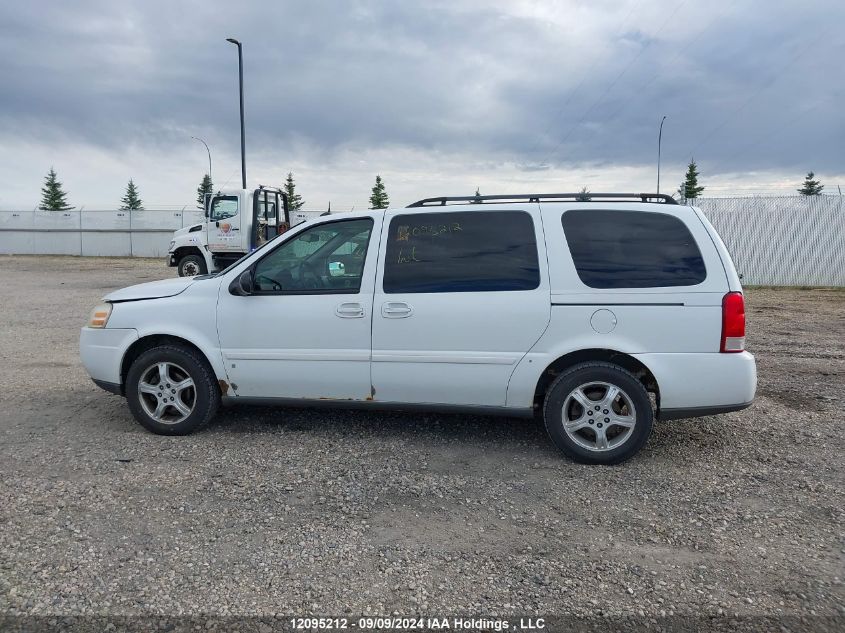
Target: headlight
100, 315
172, 244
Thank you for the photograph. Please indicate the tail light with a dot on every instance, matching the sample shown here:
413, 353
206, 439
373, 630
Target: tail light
733, 323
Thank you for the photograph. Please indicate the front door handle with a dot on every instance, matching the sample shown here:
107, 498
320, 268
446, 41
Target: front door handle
396, 310
350, 310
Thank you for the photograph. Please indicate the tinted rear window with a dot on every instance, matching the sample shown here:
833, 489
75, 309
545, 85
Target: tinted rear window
465, 251
632, 249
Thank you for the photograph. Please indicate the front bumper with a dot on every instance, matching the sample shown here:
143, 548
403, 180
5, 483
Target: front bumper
171, 259
102, 351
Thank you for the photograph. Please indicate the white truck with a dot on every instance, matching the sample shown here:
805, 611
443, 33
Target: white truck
237, 221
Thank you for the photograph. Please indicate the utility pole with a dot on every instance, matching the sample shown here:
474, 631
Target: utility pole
659, 142
241, 85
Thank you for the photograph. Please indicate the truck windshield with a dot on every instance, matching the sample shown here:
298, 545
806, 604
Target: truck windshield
224, 207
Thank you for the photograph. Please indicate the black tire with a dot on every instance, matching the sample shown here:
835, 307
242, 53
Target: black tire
183, 362
597, 376
189, 263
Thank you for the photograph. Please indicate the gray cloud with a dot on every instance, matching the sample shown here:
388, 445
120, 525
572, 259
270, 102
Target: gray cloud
746, 85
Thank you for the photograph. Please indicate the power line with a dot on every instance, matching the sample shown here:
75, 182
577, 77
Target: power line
622, 25
613, 83
765, 136
642, 88
762, 87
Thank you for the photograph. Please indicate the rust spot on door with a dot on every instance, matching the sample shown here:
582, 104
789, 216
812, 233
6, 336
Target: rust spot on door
224, 387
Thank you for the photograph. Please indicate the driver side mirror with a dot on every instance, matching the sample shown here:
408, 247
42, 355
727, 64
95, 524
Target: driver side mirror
242, 285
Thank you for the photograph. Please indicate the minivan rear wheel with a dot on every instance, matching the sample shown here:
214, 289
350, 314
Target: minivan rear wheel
598, 413
171, 390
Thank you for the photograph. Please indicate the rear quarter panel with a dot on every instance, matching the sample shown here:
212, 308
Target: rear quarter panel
670, 320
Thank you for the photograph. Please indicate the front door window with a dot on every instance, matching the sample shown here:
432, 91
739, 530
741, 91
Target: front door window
328, 258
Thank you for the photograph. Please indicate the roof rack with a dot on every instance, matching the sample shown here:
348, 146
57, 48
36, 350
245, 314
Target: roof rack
550, 197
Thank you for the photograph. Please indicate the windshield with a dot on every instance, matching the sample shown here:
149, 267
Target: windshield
224, 207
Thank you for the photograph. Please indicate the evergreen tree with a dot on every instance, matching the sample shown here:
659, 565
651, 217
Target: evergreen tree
53, 197
583, 195
295, 201
691, 187
206, 186
477, 199
130, 201
811, 187
378, 198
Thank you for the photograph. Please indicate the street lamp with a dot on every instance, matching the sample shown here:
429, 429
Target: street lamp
241, 84
659, 141
196, 138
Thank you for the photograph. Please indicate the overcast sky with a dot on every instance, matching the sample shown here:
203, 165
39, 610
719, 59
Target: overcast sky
437, 97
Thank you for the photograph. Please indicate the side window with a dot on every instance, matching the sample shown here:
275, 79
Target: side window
465, 251
632, 249
327, 258
223, 207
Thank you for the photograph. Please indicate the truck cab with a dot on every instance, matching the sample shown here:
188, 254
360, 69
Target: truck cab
237, 221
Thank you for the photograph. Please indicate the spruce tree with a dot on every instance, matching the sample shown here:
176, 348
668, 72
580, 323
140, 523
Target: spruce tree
378, 197
691, 186
583, 195
206, 186
295, 201
811, 186
53, 197
131, 201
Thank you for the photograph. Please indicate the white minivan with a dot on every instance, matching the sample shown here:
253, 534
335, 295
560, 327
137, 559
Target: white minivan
598, 315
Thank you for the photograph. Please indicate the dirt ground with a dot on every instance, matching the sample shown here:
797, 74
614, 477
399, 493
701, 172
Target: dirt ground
296, 512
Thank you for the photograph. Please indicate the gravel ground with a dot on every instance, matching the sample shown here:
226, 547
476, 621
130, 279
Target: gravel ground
284, 511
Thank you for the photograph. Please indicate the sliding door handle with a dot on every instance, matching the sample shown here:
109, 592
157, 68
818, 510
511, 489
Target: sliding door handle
396, 310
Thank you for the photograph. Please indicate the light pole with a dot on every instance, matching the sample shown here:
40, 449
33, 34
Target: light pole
196, 138
659, 141
241, 84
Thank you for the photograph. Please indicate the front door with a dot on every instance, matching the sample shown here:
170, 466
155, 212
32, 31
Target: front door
461, 298
224, 225
306, 330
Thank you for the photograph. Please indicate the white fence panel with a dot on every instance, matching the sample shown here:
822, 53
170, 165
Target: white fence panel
773, 241
192, 216
794, 241
59, 233
105, 233
14, 234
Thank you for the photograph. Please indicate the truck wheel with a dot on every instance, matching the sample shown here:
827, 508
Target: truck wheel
191, 266
171, 390
598, 413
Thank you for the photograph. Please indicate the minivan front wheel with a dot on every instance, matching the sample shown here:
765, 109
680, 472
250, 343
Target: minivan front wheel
171, 390
598, 413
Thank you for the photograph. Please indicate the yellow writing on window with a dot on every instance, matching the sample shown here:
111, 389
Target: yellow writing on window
426, 230
406, 257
